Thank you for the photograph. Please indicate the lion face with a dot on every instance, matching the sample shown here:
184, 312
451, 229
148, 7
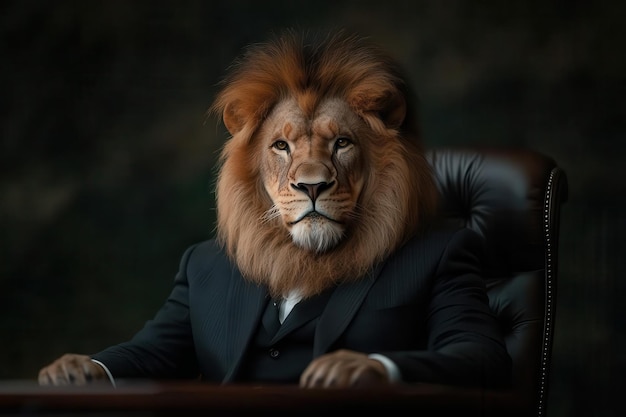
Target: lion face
323, 176
312, 170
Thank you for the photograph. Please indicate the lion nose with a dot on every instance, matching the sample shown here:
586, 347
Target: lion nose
312, 190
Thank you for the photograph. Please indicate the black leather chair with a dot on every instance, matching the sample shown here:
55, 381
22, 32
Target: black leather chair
513, 198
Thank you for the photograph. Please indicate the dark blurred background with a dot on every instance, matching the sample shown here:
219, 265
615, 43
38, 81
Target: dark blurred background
107, 156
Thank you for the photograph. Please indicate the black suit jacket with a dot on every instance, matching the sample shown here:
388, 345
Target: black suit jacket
425, 308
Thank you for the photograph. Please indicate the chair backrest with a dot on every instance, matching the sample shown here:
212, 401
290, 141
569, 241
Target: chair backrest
513, 198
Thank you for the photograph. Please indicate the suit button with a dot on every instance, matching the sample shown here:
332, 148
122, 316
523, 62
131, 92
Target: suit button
274, 353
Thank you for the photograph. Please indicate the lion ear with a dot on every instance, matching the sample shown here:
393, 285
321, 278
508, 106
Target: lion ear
233, 118
389, 106
393, 110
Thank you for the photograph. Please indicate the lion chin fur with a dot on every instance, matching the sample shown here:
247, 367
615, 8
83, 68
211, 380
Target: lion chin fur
398, 193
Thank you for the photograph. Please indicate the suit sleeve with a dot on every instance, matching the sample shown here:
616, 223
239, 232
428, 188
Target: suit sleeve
164, 347
465, 344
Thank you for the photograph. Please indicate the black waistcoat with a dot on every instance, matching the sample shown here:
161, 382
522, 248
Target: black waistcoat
279, 353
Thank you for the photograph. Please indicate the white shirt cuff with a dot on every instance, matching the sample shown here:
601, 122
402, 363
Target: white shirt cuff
390, 366
105, 370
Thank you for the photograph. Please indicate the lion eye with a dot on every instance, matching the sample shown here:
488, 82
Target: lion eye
281, 145
342, 142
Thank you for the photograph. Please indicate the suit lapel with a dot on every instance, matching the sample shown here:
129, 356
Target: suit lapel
341, 308
245, 304
302, 313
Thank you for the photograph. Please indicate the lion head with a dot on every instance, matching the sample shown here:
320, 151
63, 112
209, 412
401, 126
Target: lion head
323, 175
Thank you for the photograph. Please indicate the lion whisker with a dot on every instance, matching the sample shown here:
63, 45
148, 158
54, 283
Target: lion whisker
270, 214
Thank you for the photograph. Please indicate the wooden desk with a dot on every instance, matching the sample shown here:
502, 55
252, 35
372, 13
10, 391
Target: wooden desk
145, 398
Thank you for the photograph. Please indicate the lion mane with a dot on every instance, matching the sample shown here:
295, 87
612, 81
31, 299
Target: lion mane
398, 195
